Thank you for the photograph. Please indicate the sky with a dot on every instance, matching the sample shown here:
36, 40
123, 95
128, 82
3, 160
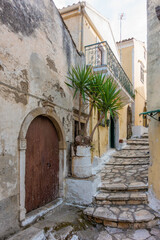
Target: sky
134, 23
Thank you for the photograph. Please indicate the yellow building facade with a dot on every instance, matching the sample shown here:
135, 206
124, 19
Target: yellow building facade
133, 57
153, 96
88, 27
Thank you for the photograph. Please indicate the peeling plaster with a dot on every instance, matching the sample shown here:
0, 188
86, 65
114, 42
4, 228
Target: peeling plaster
23, 17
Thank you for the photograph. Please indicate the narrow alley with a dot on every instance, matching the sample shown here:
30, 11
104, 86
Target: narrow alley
119, 210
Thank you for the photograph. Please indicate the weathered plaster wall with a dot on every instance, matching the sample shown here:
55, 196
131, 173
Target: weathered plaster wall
74, 26
140, 88
133, 54
82, 32
153, 94
104, 144
95, 148
89, 36
126, 59
100, 137
36, 51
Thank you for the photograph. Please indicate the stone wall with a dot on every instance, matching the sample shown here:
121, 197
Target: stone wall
153, 94
36, 51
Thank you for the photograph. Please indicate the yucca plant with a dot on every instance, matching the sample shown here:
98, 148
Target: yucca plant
80, 80
109, 101
93, 92
102, 93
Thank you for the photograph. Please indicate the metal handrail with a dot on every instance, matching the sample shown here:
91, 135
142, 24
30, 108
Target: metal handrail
100, 54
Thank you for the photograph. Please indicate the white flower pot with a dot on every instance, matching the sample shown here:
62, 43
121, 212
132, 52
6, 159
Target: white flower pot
81, 162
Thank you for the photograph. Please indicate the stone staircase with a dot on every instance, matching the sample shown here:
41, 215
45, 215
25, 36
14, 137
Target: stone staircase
122, 197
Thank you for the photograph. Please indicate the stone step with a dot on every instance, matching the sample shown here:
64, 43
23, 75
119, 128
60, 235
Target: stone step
127, 161
125, 170
124, 174
131, 156
134, 186
131, 153
121, 198
128, 216
31, 233
138, 139
144, 136
136, 147
137, 143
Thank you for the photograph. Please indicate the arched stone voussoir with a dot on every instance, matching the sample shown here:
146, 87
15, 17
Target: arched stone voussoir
47, 112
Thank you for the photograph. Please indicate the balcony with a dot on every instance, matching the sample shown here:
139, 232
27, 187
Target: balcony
101, 57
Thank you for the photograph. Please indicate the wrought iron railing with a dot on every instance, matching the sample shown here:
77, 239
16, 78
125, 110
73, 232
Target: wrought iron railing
100, 54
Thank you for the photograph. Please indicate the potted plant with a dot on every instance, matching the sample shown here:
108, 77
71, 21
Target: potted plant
120, 144
102, 94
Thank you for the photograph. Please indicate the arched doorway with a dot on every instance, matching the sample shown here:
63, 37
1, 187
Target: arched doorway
42, 164
55, 123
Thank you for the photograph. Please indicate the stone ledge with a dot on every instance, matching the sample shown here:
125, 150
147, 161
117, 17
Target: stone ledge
124, 187
37, 213
121, 196
31, 233
129, 216
81, 191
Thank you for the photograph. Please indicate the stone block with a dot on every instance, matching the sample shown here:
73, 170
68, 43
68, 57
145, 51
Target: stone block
81, 191
89, 211
63, 233
104, 236
31, 233
97, 220
83, 151
125, 225
141, 234
152, 223
110, 224
143, 216
81, 167
104, 213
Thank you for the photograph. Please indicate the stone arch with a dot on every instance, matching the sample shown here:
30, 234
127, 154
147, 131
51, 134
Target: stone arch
47, 112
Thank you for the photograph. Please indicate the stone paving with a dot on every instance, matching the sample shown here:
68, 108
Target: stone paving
119, 210
124, 174
67, 223
135, 147
122, 198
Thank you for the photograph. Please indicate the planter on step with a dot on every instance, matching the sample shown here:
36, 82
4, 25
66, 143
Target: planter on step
81, 162
120, 144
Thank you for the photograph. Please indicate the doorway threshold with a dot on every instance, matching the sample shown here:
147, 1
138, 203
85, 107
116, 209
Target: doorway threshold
40, 212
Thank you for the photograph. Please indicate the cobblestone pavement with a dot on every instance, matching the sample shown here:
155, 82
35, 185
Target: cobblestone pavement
80, 229
119, 210
122, 198
124, 174
67, 223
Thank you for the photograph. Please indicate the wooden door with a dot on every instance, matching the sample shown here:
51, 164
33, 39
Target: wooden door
42, 164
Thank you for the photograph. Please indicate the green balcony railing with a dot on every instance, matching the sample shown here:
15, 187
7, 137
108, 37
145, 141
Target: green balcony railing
100, 54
